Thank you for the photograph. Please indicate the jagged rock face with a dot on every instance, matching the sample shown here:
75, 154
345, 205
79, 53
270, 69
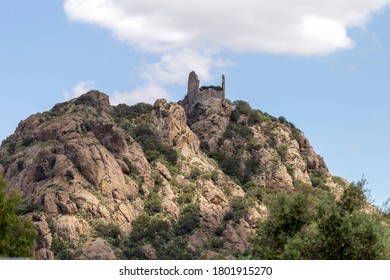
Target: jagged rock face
207, 111
70, 161
275, 175
41, 251
82, 170
171, 122
97, 249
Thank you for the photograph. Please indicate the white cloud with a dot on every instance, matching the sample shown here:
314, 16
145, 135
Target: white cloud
303, 27
188, 35
148, 94
173, 67
79, 89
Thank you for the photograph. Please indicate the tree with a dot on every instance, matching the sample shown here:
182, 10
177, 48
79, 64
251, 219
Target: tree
17, 236
314, 226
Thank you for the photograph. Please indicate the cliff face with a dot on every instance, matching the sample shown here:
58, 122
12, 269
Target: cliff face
250, 144
96, 179
69, 166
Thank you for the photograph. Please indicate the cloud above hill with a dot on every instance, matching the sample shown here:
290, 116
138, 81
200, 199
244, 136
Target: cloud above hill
303, 27
188, 35
78, 89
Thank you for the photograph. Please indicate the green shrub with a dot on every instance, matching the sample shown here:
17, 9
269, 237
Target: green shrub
239, 208
159, 234
214, 176
282, 151
132, 169
87, 100
318, 179
217, 88
16, 235
20, 164
236, 130
339, 180
312, 225
296, 134
146, 136
10, 146
25, 207
272, 141
27, 141
253, 145
255, 118
131, 112
149, 229
253, 190
218, 231
153, 204
216, 243
187, 193
184, 198
252, 167
218, 156
290, 169
229, 215
158, 179
64, 250
195, 173
242, 106
110, 232
170, 154
282, 120
188, 220
353, 198
231, 167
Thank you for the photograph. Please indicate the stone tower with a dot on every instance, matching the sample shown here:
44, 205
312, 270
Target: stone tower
206, 96
193, 84
223, 87
196, 93
208, 112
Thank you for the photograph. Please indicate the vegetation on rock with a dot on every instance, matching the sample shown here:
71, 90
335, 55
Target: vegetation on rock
132, 182
312, 224
17, 235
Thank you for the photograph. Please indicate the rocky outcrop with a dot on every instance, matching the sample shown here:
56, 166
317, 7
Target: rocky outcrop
168, 205
171, 122
207, 111
275, 175
81, 164
163, 170
149, 252
97, 249
45, 238
70, 162
69, 228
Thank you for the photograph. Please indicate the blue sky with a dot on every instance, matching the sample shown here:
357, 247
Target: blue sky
322, 66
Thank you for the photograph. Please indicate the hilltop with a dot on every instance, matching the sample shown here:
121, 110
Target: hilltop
169, 181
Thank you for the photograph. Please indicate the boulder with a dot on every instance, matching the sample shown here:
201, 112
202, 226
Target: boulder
97, 249
171, 122
69, 228
163, 170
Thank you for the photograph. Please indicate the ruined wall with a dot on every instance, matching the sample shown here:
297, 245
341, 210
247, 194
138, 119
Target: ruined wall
208, 113
209, 97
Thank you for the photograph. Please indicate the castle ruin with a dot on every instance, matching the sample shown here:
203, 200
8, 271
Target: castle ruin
208, 111
203, 95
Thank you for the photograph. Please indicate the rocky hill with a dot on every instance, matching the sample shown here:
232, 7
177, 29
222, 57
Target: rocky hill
170, 181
